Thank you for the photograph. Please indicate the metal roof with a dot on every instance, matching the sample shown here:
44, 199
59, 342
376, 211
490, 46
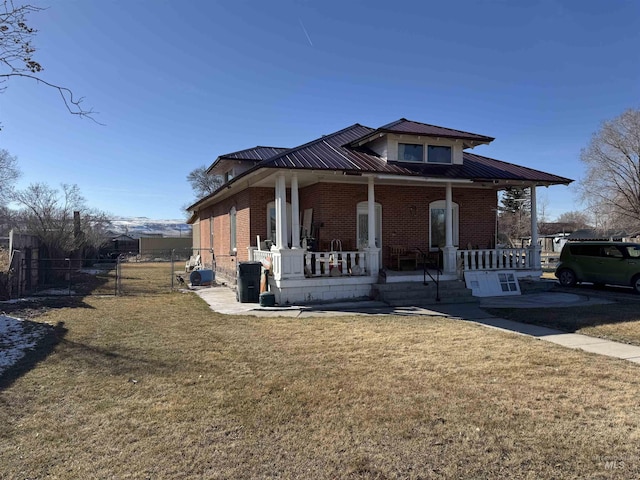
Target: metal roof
332, 152
255, 154
339, 151
404, 126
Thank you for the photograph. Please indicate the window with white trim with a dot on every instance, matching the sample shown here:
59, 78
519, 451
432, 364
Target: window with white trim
410, 152
437, 233
438, 154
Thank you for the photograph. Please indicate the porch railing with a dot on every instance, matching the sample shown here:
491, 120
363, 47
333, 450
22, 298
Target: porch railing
328, 264
498, 259
261, 255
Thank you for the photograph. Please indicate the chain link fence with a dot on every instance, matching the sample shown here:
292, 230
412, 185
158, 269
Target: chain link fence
157, 271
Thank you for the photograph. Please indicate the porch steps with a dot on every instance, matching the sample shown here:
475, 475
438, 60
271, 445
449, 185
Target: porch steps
405, 294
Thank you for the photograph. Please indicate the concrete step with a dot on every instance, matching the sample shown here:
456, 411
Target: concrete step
408, 294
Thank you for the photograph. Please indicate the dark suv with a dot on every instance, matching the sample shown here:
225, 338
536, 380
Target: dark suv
614, 263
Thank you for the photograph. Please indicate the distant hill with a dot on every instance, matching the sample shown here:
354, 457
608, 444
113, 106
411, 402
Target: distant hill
137, 227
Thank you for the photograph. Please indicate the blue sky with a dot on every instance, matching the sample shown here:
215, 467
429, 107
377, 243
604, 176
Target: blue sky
179, 83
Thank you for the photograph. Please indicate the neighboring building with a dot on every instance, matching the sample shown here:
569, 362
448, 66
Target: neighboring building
124, 244
335, 212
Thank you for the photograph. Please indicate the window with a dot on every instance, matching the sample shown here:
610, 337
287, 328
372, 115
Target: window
271, 222
228, 176
438, 154
410, 152
232, 231
437, 234
508, 282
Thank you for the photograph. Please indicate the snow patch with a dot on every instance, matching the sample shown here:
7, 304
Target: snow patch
91, 271
16, 337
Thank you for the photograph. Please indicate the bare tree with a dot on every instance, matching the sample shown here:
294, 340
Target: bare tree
49, 213
577, 219
9, 173
202, 183
612, 182
17, 50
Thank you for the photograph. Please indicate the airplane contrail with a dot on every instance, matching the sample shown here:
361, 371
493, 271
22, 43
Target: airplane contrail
305, 32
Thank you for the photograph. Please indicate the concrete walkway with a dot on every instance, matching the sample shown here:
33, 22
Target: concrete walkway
223, 300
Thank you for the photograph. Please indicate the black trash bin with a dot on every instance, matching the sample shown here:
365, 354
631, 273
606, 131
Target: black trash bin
249, 282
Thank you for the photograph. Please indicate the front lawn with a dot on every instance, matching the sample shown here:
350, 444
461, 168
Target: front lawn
161, 387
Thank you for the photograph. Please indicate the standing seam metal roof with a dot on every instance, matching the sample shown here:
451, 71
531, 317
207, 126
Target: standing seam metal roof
332, 152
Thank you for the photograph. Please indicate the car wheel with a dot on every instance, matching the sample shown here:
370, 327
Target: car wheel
635, 283
567, 278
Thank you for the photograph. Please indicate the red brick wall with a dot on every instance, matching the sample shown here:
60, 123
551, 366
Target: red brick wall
405, 214
405, 218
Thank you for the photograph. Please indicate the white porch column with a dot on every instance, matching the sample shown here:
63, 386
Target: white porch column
373, 252
371, 214
281, 212
288, 263
534, 250
448, 221
295, 213
449, 250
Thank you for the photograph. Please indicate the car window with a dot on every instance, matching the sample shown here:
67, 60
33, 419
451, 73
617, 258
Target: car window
586, 250
611, 251
633, 251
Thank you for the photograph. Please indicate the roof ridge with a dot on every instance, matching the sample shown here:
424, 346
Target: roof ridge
249, 149
318, 140
436, 126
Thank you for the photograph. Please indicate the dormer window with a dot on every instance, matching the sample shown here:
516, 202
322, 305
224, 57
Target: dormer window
415, 152
437, 154
410, 152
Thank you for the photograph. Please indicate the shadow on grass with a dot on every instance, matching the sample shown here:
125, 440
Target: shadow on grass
116, 361
52, 337
571, 319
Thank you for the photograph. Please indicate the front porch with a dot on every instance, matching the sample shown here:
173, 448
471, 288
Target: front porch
312, 271
301, 276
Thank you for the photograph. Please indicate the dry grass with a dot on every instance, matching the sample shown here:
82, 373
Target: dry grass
161, 387
150, 277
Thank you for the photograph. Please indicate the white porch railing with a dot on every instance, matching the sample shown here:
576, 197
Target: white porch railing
329, 264
261, 255
498, 259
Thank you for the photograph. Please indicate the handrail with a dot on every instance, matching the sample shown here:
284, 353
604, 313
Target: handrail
426, 272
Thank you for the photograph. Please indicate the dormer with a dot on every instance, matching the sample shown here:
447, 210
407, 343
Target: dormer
233, 164
414, 142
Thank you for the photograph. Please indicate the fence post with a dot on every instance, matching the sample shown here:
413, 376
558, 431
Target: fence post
69, 273
173, 251
117, 276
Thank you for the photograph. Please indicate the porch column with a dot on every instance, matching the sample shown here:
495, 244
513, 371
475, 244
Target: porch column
371, 214
534, 250
449, 251
295, 213
448, 221
288, 264
281, 212
373, 252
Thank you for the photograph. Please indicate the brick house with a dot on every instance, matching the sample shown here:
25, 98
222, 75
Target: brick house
341, 212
